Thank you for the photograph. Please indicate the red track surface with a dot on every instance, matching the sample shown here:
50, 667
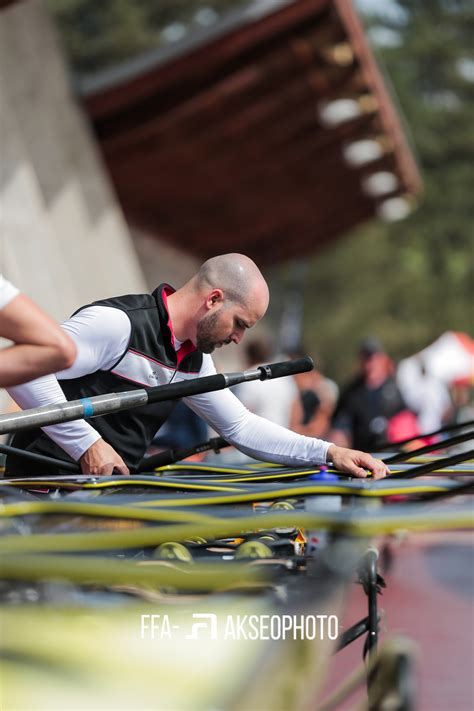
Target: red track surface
430, 599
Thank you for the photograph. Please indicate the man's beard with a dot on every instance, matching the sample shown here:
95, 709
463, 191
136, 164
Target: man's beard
206, 332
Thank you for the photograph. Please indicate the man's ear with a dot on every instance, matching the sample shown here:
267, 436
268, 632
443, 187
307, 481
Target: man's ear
215, 297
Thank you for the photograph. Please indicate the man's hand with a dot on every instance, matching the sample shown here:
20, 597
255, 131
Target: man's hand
101, 460
356, 463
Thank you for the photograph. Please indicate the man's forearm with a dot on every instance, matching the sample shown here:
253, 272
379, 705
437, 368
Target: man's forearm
270, 442
255, 435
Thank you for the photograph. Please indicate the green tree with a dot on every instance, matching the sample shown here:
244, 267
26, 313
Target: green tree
101, 34
409, 281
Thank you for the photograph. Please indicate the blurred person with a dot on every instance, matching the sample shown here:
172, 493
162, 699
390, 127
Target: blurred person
139, 340
272, 399
462, 394
317, 397
40, 346
182, 429
371, 408
425, 394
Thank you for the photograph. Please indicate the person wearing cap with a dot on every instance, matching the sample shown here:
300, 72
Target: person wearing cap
39, 346
143, 340
369, 402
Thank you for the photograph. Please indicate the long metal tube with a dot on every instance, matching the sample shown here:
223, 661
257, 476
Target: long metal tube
113, 402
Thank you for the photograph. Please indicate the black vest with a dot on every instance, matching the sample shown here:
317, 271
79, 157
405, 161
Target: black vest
149, 360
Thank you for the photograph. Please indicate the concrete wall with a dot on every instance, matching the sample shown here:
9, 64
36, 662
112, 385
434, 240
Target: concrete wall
63, 238
161, 262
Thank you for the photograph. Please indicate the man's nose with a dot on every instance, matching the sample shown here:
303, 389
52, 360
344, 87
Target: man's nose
236, 338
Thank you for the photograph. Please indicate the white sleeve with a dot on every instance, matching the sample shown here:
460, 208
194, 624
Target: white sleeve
101, 335
254, 435
7, 292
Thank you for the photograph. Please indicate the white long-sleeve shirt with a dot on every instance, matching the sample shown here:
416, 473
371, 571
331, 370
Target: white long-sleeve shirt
101, 334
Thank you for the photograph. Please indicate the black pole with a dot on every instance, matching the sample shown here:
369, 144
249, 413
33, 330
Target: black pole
372, 623
211, 383
170, 456
40, 458
442, 430
431, 466
402, 456
455, 491
114, 402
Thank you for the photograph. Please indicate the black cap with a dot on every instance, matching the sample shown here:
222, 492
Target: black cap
369, 346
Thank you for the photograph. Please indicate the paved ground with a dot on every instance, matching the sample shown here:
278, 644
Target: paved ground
429, 598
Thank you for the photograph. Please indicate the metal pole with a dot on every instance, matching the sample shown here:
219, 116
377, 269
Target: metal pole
114, 402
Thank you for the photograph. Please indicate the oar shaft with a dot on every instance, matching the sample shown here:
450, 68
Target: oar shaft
443, 444
73, 410
170, 456
113, 402
447, 428
40, 458
459, 490
423, 469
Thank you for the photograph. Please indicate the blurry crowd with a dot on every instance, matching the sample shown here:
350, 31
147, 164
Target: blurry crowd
380, 405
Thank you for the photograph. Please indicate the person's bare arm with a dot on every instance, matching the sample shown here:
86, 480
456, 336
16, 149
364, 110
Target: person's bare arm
40, 345
266, 440
296, 415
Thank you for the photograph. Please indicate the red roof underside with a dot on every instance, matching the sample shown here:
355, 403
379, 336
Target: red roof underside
221, 148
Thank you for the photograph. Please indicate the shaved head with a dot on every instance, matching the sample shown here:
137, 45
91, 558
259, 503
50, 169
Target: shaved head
237, 276
226, 297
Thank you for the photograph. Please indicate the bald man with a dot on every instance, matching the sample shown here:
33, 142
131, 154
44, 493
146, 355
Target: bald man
145, 340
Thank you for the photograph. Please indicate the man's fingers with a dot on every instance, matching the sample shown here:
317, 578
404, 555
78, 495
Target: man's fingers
113, 468
359, 472
357, 463
102, 460
121, 469
105, 469
376, 466
381, 471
